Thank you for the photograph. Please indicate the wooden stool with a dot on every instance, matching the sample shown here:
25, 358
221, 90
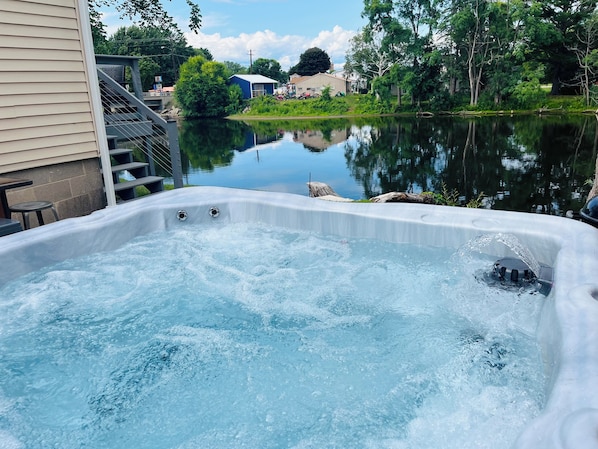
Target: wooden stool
34, 206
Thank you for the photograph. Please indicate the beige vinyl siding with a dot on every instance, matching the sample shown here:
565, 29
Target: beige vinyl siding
45, 107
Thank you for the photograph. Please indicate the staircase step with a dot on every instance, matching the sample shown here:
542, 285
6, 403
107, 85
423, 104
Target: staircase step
122, 117
146, 181
136, 169
126, 190
129, 166
112, 141
130, 130
122, 155
119, 151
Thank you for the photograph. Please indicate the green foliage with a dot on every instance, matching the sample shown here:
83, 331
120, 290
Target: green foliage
529, 93
477, 202
314, 60
145, 14
269, 68
167, 50
448, 197
371, 104
210, 143
556, 27
234, 68
207, 54
201, 89
235, 99
269, 106
325, 125
148, 69
443, 101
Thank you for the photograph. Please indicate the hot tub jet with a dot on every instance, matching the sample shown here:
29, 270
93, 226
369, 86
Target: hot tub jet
510, 271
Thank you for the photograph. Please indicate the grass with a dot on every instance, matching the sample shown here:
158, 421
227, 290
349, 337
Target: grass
364, 105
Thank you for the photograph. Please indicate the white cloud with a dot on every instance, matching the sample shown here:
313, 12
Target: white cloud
267, 44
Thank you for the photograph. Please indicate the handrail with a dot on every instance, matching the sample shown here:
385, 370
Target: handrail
169, 126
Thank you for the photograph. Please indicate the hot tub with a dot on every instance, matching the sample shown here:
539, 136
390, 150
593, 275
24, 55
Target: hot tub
568, 329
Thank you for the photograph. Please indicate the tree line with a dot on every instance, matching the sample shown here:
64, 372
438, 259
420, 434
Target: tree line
202, 87
432, 54
482, 53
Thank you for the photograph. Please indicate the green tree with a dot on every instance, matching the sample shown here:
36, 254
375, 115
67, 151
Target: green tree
553, 27
201, 89
235, 99
314, 60
269, 68
235, 68
529, 93
98, 32
168, 49
412, 23
470, 29
373, 53
145, 13
586, 52
148, 69
203, 52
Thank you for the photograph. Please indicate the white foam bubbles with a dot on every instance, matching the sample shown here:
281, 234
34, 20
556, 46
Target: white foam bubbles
264, 337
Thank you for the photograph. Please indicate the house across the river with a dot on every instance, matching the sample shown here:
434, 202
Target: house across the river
254, 85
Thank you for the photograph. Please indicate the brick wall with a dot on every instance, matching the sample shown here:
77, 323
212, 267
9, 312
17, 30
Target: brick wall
75, 188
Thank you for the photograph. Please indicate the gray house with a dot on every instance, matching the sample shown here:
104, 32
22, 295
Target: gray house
254, 85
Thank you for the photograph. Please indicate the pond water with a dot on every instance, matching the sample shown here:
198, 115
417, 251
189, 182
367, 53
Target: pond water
523, 163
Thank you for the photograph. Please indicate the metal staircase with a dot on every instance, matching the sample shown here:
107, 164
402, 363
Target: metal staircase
128, 175
143, 146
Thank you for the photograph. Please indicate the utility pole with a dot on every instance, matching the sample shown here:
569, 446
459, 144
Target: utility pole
250, 62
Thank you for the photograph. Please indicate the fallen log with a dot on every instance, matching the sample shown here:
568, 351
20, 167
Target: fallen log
403, 197
318, 189
545, 110
325, 192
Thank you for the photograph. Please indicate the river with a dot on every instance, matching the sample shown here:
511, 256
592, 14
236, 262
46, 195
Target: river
520, 163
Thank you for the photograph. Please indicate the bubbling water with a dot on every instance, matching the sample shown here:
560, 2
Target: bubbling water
509, 240
254, 336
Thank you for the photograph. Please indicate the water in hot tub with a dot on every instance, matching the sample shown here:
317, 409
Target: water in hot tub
250, 336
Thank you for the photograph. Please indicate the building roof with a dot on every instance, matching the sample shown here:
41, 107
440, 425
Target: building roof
255, 79
301, 79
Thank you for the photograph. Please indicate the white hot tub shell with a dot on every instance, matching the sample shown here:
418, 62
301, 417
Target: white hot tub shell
568, 331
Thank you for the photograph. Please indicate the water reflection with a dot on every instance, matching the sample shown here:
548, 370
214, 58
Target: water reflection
532, 164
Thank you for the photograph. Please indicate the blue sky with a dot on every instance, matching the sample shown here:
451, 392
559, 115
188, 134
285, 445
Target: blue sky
272, 29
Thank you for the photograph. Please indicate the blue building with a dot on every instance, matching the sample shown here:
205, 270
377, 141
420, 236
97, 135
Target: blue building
254, 85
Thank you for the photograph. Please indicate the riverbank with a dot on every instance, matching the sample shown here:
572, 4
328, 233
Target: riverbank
356, 106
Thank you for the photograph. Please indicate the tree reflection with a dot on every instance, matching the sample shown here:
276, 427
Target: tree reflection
211, 143
524, 163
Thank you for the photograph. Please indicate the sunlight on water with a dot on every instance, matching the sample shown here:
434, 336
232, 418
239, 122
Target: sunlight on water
253, 336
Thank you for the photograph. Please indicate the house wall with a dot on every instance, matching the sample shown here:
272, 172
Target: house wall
259, 89
244, 85
255, 86
317, 82
47, 128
